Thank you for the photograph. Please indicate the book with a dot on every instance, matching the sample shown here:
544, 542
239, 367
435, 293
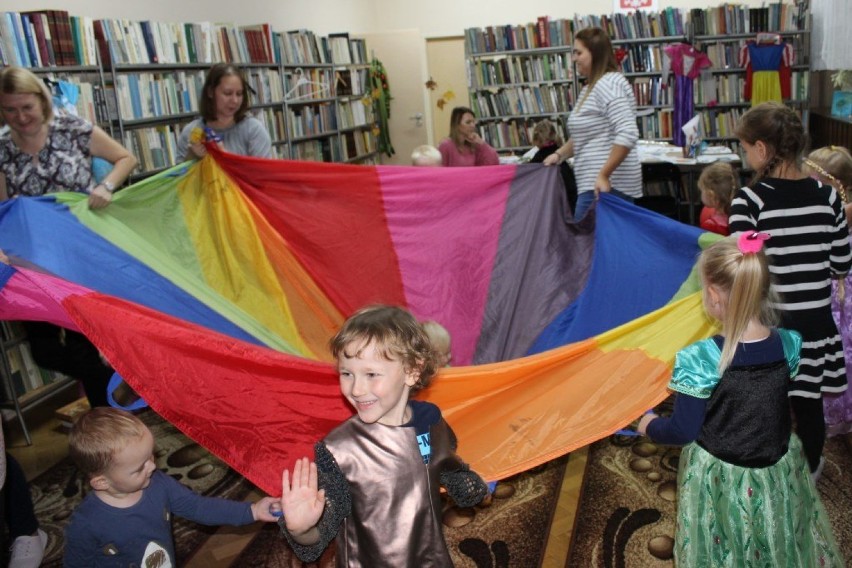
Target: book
148, 38
8, 32
29, 50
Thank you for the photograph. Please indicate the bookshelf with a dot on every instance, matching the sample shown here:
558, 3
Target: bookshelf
141, 81
723, 33
518, 75
24, 384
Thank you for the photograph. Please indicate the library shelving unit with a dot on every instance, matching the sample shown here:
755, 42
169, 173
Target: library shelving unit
723, 33
141, 81
518, 75
24, 384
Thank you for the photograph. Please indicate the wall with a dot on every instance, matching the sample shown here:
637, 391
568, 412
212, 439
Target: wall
447, 70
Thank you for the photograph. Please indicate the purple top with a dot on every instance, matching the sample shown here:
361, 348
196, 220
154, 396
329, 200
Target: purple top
483, 155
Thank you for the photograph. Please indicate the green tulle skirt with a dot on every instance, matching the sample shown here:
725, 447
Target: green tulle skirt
751, 517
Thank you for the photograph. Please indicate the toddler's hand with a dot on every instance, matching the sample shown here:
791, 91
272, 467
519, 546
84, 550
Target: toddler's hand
262, 510
553, 159
643, 423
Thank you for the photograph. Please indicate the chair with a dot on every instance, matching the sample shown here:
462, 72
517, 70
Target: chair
662, 190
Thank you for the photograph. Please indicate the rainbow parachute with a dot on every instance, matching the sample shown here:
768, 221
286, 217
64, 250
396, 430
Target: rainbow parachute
214, 287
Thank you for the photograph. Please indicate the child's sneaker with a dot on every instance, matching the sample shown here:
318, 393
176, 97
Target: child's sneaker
27, 551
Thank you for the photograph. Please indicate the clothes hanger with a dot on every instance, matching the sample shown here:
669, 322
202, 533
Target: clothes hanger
768, 38
319, 87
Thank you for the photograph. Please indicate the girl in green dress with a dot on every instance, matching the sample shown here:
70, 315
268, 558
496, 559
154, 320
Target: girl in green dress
745, 495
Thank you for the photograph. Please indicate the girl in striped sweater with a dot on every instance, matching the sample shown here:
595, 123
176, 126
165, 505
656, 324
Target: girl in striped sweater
809, 247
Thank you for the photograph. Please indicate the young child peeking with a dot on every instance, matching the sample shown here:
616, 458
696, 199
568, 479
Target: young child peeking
126, 520
717, 183
375, 484
441, 342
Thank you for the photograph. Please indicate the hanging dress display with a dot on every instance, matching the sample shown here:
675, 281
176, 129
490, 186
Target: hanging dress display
768, 62
686, 63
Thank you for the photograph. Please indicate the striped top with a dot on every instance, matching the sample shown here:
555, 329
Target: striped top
605, 117
809, 240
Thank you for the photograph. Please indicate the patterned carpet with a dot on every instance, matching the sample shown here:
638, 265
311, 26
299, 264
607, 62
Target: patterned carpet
626, 516
511, 531
59, 490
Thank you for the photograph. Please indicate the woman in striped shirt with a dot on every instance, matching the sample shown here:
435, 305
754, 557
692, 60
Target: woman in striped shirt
602, 126
809, 246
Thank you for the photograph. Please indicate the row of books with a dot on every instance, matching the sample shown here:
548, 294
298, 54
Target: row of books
740, 19
265, 85
155, 147
303, 47
544, 32
656, 126
351, 82
516, 133
724, 54
721, 20
149, 95
721, 123
311, 120
511, 101
522, 69
637, 25
643, 58
273, 119
354, 113
327, 150
46, 38
357, 143
652, 91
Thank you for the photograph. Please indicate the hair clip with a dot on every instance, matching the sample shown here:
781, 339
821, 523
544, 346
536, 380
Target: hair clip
751, 242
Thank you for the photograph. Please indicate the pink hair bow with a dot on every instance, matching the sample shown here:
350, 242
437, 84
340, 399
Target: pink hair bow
751, 242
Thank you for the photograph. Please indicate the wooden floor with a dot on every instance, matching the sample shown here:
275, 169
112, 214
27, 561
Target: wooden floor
50, 445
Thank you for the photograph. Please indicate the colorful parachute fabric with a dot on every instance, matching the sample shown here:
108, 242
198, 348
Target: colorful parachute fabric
214, 287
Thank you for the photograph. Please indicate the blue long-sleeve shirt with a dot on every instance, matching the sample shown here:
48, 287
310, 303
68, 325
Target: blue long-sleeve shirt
100, 535
684, 425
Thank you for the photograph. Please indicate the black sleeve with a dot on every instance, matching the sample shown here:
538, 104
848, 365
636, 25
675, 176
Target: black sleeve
338, 505
464, 486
